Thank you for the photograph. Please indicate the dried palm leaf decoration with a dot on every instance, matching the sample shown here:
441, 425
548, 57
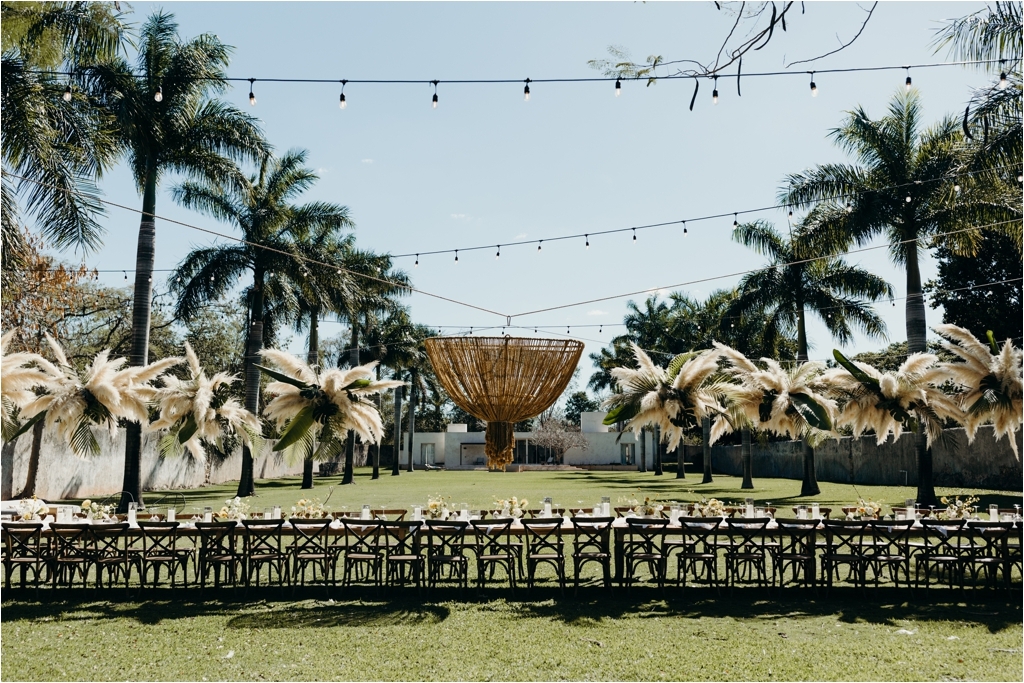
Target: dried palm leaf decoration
503, 380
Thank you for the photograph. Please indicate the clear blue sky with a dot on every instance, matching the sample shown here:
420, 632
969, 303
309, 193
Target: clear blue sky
488, 168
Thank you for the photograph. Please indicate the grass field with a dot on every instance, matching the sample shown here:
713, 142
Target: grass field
933, 634
641, 637
570, 488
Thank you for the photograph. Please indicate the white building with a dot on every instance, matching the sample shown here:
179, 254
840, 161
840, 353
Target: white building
458, 448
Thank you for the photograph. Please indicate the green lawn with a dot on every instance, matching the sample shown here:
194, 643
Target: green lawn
933, 634
642, 637
570, 488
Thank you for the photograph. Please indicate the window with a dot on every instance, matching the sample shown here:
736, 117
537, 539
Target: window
426, 454
627, 452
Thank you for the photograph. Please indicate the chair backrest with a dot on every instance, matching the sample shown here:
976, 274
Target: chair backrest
401, 537
592, 534
22, 539
991, 536
262, 536
446, 538
492, 535
749, 530
887, 537
217, 538
543, 535
310, 536
700, 531
70, 541
159, 538
363, 535
643, 533
389, 514
106, 539
797, 536
842, 536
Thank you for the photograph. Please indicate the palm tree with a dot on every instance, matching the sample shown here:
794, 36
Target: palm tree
167, 121
54, 134
275, 237
902, 188
790, 286
788, 401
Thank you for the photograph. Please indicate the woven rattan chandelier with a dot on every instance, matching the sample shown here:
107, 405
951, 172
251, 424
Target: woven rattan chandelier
503, 380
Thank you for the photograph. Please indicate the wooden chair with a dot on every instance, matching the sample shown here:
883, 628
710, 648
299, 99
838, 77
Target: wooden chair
989, 550
263, 546
842, 548
160, 549
885, 544
945, 549
544, 546
311, 547
796, 551
494, 549
402, 543
748, 554
24, 550
699, 555
643, 545
446, 551
218, 551
108, 545
69, 554
592, 543
363, 549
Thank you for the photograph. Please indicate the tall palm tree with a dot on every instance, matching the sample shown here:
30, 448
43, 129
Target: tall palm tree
901, 188
791, 286
275, 236
167, 120
54, 134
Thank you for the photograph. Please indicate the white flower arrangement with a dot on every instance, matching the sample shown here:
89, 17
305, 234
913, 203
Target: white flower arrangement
648, 508
32, 509
310, 508
438, 507
95, 511
958, 509
234, 509
511, 507
709, 508
867, 508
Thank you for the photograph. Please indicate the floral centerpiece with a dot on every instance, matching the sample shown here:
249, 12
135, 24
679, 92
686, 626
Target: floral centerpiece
648, 508
32, 509
709, 508
310, 508
438, 507
868, 509
958, 509
510, 507
95, 511
234, 509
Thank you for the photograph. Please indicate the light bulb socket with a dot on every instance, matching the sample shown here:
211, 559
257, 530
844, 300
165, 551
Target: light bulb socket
342, 103
909, 83
433, 101
618, 87
252, 97
526, 91
714, 97
814, 89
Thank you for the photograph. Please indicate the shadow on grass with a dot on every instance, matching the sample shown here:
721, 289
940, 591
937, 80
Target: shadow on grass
363, 608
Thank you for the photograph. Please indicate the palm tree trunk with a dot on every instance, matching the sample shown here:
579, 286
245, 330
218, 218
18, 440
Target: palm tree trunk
643, 450
350, 442
395, 469
412, 415
145, 254
809, 487
658, 471
376, 446
312, 357
680, 461
801, 333
33, 461
748, 464
917, 330
246, 485
705, 427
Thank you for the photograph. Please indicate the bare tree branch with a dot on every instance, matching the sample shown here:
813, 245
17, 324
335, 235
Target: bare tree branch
843, 46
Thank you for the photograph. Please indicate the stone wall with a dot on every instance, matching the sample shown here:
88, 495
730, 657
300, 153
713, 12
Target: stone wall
62, 475
986, 463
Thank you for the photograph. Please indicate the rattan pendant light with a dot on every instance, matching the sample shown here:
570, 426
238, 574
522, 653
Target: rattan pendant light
503, 380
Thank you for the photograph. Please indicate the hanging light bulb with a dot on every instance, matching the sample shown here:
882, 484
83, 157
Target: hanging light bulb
909, 199
618, 87
252, 97
956, 187
211, 278
791, 213
814, 86
159, 96
433, 101
714, 92
735, 222
125, 275
498, 255
909, 82
526, 91
456, 255
67, 93
1020, 176
634, 235
600, 329
1002, 80
538, 246
342, 103
684, 227
567, 331
587, 237
417, 264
